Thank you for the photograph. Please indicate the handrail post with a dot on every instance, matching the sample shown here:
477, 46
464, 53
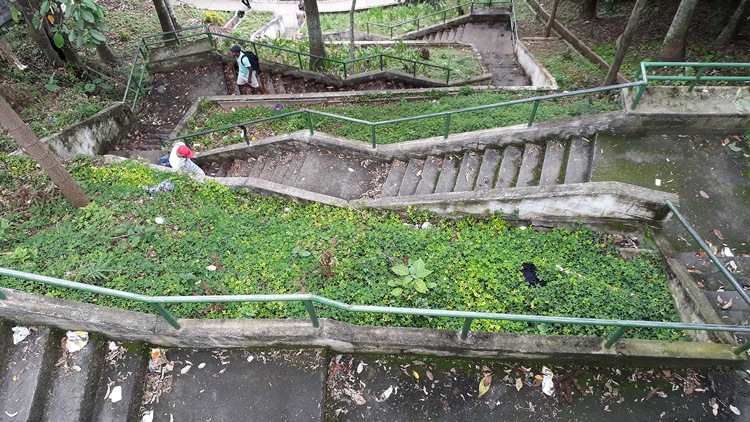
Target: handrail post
638, 96
372, 128
466, 327
414, 69
381, 62
368, 27
472, 9
742, 348
697, 78
2, 296
612, 340
448, 77
299, 59
447, 125
255, 49
310, 122
533, 112
311, 312
163, 312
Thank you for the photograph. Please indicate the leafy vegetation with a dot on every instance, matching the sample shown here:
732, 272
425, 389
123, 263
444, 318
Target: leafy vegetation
229, 241
213, 117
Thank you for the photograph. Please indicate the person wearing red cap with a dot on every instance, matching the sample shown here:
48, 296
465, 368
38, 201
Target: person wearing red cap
180, 157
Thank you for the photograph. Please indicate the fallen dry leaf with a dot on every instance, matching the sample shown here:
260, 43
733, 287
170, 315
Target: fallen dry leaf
718, 234
719, 299
728, 305
416, 375
704, 194
519, 384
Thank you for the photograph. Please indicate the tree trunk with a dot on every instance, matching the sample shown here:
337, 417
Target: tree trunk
733, 26
673, 47
552, 15
623, 42
164, 19
351, 35
105, 53
172, 16
39, 35
588, 9
49, 163
317, 47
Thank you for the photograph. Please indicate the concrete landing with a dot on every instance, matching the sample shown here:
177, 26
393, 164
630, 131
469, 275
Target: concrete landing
493, 41
336, 175
236, 384
685, 165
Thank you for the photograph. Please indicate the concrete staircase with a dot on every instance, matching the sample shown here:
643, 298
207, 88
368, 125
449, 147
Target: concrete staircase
351, 177
279, 84
105, 381
715, 286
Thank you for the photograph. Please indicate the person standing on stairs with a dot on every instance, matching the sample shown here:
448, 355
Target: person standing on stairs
246, 75
301, 14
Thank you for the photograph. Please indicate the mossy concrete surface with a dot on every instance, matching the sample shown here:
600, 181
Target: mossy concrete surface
705, 174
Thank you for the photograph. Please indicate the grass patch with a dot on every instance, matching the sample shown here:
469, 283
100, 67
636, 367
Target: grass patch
387, 108
252, 22
267, 245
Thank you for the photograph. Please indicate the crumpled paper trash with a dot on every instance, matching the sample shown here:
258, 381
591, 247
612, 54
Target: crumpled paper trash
548, 387
20, 334
76, 340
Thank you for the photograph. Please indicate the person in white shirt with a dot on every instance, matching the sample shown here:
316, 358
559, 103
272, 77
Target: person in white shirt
180, 159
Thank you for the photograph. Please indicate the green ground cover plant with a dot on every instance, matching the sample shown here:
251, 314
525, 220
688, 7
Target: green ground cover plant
210, 117
213, 239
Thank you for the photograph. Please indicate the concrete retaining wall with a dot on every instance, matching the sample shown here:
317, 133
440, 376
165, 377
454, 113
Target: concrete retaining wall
272, 30
538, 74
93, 136
31, 309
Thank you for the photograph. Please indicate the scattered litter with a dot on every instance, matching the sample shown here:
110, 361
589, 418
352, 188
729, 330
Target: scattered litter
519, 384
19, 335
360, 367
351, 169
548, 387
387, 393
76, 368
734, 410
657, 182
416, 375
185, 369
211, 268
704, 194
11, 415
159, 220
165, 186
727, 252
426, 225
484, 384
148, 416
76, 340
112, 346
249, 359
158, 359
202, 365
116, 394
727, 305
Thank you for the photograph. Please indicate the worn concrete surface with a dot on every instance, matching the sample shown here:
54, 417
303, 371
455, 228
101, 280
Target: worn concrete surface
267, 385
336, 175
686, 165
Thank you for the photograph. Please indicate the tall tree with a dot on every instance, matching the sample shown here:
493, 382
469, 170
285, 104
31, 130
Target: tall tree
551, 22
351, 34
623, 42
673, 47
588, 9
315, 34
39, 33
733, 26
172, 16
162, 12
49, 163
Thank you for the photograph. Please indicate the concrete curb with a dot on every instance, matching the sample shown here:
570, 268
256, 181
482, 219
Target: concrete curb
32, 309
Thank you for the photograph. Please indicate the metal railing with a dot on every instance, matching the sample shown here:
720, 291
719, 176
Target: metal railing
698, 77
374, 125
309, 300
711, 255
341, 67
444, 13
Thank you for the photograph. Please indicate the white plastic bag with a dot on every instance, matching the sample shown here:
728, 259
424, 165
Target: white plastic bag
20, 334
76, 340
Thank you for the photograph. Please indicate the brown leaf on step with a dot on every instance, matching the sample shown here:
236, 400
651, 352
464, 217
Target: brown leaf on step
704, 194
216, 263
728, 305
689, 391
719, 299
718, 234
701, 285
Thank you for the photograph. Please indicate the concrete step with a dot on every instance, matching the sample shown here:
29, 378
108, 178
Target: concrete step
29, 370
260, 162
508, 172
429, 175
74, 383
298, 160
282, 167
234, 169
460, 32
467, 174
448, 173
124, 366
738, 304
393, 181
267, 81
554, 157
223, 169
579, 161
488, 170
530, 165
272, 162
411, 177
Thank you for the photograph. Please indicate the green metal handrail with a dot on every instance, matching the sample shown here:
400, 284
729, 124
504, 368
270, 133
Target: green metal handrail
446, 114
143, 45
157, 303
645, 77
443, 12
710, 254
